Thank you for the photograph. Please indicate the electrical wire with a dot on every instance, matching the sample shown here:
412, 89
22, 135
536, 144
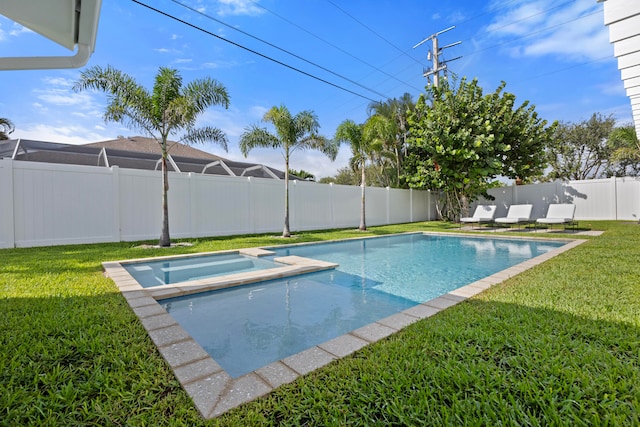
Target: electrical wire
279, 48
534, 33
251, 50
370, 29
378, 69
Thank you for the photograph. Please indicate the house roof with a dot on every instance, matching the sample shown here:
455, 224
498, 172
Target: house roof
140, 144
102, 155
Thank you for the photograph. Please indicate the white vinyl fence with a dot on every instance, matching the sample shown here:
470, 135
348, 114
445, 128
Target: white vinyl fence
52, 204
595, 199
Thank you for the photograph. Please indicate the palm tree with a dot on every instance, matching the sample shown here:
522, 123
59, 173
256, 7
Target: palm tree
170, 108
292, 133
396, 110
625, 143
363, 148
6, 128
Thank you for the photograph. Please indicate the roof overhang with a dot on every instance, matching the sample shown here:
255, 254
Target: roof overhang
623, 19
70, 23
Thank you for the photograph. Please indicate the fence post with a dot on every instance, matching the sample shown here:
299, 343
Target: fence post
614, 180
194, 207
7, 220
411, 205
252, 216
387, 202
333, 204
116, 232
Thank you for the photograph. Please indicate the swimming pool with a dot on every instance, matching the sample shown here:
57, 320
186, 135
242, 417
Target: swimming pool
247, 327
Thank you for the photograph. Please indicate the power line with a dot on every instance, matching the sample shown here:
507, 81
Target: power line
378, 69
279, 48
251, 50
373, 31
530, 16
533, 33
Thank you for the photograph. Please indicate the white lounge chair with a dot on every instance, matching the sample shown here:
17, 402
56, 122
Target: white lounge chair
559, 213
483, 213
517, 214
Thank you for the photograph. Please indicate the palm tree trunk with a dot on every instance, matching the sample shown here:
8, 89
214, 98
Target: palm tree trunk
165, 240
363, 224
286, 232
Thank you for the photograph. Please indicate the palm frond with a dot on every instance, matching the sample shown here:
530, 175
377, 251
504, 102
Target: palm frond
207, 134
255, 137
204, 93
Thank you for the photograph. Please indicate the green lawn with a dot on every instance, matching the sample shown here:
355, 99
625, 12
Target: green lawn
556, 345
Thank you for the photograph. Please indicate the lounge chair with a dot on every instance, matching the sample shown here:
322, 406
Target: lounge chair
559, 213
517, 214
483, 213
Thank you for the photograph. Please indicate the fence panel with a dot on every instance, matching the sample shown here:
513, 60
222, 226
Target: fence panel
346, 206
7, 239
267, 205
399, 205
594, 199
220, 205
311, 206
376, 205
140, 195
628, 199
55, 204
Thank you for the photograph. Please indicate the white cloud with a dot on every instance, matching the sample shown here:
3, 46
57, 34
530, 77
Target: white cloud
238, 7
68, 134
13, 29
63, 97
572, 32
19, 30
257, 112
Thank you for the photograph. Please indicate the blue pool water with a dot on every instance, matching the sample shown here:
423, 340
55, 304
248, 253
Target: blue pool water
247, 327
176, 270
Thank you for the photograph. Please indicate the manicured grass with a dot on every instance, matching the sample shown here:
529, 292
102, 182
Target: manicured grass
556, 345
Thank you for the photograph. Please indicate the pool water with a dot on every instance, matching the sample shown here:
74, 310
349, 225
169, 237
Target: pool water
175, 270
422, 267
247, 327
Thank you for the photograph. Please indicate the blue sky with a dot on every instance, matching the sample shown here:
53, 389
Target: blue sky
554, 53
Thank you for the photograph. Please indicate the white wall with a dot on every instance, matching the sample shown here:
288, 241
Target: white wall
51, 204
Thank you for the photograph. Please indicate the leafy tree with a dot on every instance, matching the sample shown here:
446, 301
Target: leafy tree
169, 109
465, 139
579, 150
6, 128
292, 133
364, 145
625, 152
345, 176
396, 110
308, 176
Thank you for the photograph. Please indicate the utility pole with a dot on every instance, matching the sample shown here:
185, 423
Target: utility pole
434, 56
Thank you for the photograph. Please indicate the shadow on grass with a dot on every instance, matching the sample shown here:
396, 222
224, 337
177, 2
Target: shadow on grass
479, 363
87, 360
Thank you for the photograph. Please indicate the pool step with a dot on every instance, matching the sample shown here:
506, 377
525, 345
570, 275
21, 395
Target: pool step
186, 272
